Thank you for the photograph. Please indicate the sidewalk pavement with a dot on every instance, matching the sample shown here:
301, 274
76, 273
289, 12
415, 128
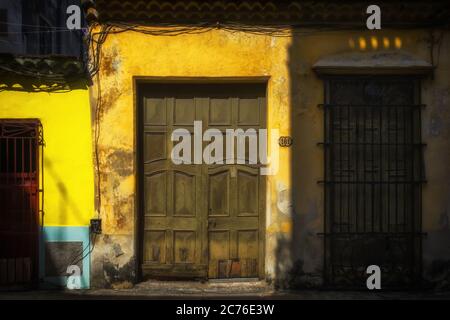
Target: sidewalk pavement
183, 290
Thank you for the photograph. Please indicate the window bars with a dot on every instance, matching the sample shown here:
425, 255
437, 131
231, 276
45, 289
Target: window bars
20, 161
373, 178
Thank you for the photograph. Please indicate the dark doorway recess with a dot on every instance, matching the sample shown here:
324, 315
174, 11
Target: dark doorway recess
199, 220
19, 201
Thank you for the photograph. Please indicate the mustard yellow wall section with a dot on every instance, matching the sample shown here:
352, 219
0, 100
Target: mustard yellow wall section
68, 166
295, 201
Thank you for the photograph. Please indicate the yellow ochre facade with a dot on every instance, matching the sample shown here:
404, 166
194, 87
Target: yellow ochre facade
361, 174
295, 200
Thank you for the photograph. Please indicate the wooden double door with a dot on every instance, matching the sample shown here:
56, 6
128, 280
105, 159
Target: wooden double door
199, 220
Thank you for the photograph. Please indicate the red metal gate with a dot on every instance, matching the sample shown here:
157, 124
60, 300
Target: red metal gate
19, 201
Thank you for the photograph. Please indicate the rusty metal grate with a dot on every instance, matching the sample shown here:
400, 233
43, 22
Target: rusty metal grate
373, 179
20, 141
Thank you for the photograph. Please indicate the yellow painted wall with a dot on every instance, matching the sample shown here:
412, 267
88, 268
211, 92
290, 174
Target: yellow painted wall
68, 165
294, 207
213, 54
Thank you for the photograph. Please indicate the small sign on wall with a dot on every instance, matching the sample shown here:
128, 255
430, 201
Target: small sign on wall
285, 141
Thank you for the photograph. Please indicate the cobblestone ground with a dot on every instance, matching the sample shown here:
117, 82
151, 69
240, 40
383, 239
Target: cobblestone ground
216, 290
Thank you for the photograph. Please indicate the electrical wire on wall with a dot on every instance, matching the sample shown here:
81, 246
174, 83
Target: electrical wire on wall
95, 41
435, 42
94, 44
96, 38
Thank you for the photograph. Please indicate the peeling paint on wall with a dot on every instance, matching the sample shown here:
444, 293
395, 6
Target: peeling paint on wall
294, 205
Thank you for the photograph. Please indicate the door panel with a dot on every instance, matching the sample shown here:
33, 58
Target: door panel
219, 250
185, 246
200, 220
156, 194
155, 243
220, 111
247, 193
185, 195
171, 193
248, 245
219, 191
235, 210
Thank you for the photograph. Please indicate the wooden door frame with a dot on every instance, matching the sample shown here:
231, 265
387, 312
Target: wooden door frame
138, 168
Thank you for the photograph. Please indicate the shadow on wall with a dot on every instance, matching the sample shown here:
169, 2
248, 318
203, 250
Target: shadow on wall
65, 202
300, 253
27, 84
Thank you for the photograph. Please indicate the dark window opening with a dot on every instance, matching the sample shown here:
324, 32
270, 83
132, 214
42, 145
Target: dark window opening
3, 22
373, 178
44, 30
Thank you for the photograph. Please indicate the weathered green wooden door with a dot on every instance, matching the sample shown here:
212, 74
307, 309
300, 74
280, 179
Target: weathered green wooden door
200, 220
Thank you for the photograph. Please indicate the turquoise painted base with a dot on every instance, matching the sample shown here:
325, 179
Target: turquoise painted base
61, 234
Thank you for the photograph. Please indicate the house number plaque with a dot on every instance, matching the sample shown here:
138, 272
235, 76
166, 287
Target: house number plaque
285, 141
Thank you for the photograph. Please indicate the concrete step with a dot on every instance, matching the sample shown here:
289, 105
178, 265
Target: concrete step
238, 286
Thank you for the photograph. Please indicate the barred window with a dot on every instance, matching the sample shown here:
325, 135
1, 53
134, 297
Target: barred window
373, 177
